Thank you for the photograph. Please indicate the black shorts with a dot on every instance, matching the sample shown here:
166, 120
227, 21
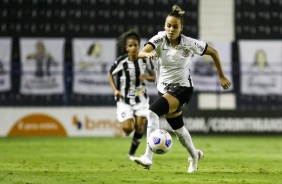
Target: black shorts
182, 93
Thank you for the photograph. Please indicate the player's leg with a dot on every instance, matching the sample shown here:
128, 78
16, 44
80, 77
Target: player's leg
181, 95
175, 120
157, 109
126, 117
137, 136
128, 126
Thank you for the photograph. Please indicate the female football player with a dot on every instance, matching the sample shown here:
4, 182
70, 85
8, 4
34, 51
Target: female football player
130, 89
175, 52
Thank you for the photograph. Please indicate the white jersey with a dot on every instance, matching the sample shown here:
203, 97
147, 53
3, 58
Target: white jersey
173, 62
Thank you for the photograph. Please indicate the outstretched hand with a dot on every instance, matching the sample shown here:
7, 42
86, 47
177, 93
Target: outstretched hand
225, 83
152, 55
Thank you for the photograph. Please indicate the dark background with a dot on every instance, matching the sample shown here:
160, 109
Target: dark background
256, 20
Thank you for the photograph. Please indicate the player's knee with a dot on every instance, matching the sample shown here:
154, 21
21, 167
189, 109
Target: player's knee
160, 107
128, 126
140, 122
127, 130
176, 122
139, 129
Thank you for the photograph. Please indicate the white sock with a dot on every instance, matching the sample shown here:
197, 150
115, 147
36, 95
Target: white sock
153, 124
185, 139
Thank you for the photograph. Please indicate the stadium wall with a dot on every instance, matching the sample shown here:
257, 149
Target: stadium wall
102, 122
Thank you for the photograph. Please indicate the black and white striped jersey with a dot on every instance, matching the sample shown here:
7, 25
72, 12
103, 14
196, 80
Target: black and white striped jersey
128, 83
173, 62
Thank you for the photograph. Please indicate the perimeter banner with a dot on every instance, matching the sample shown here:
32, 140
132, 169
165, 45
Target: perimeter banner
73, 122
102, 122
92, 59
5, 64
204, 72
42, 61
261, 67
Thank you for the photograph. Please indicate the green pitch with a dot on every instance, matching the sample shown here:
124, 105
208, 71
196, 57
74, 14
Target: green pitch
228, 159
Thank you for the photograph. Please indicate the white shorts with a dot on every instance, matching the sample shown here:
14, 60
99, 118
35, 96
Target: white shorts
126, 111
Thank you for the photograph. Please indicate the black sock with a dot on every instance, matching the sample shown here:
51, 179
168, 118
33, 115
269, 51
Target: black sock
135, 143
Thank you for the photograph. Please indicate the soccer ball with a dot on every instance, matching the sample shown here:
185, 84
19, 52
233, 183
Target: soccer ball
159, 141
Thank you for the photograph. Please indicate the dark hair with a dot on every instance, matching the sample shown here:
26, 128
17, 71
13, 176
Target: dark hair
177, 12
131, 34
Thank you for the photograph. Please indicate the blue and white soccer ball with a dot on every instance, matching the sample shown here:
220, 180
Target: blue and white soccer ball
160, 141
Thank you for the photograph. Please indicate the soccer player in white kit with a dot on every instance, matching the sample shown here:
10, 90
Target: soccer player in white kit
174, 83
130, 88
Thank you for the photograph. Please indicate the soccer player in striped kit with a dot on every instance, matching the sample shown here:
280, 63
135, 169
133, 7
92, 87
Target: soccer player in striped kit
175, 52
130, 89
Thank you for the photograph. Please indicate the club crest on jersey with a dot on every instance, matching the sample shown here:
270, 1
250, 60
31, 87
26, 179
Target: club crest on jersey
144, 65
185, 53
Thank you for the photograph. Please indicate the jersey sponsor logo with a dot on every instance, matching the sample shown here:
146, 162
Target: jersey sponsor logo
158, 40
123, 114
144, 65
131, 93
199, 46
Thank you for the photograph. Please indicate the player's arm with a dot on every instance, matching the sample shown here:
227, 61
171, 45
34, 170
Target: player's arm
115, 68
146, 52
224, 82
117, 93
150, 76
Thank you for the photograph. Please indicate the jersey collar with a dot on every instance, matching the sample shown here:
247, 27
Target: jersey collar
179, 40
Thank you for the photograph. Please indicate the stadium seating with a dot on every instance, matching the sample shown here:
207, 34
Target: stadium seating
254, 19
258, 19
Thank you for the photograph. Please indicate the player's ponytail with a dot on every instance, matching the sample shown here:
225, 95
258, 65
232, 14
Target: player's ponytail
177, 12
